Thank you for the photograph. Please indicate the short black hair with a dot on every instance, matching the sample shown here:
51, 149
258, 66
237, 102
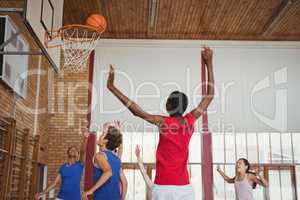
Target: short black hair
177, 103
114, 138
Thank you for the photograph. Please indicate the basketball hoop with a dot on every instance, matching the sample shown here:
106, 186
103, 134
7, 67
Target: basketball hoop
77, 42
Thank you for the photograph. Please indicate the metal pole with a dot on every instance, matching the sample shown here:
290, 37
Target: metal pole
11, 9
21, 53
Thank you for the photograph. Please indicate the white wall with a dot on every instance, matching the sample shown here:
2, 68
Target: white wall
256, 82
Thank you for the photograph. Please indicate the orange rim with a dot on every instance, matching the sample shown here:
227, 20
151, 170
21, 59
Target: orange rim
60, 33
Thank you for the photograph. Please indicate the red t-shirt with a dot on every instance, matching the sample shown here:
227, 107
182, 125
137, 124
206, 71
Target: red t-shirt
173, 151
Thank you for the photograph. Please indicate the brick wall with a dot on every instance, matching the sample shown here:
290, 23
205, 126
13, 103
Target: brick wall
63, 103
12, 105
23, 110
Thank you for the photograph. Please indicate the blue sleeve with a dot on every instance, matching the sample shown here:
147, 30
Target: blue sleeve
81, 166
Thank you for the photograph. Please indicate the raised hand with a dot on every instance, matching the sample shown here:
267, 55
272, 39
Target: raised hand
86, 134
118, 125
219, 169
137, 151
38, 196
207, 54
84, 128
257, 171
106, 126
84, 196
111, 77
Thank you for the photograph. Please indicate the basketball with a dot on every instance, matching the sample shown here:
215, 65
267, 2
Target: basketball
97, 21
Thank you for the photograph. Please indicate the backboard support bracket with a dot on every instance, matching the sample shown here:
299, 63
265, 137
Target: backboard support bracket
18, 10
21, 53
11, 39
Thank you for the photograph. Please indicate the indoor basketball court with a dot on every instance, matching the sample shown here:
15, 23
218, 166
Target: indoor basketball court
149, 99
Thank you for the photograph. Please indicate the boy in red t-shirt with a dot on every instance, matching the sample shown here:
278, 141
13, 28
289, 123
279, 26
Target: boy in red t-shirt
172, 179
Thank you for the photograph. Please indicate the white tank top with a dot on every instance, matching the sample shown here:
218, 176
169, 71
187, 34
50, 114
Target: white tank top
243, 189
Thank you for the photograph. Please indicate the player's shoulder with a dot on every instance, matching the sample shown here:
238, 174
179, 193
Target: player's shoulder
101, 155
251, 176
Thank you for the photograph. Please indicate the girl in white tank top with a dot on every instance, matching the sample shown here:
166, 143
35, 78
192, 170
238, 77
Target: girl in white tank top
244, 180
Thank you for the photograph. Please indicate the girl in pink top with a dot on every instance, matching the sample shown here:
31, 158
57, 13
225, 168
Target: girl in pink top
172, 178
245, 180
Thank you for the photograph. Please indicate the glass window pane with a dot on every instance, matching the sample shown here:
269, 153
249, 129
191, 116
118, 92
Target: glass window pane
136, 185
149, 147
153, 174
286, 148
218, 147
219, 184
156, 139
130, 179
229, 188
195, 148
264, 148
274, 185
140, 186
230, 148
296, 147
258, 193
276, 148
126, 157
196, 180
252, 148
298, 179
241, 145
286, 185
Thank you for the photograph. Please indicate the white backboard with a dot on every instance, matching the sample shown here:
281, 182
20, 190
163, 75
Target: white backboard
45, 16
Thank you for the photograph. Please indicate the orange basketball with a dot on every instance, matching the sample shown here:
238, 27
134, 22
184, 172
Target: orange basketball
97, 21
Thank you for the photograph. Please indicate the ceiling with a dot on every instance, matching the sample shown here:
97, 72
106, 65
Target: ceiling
191, 19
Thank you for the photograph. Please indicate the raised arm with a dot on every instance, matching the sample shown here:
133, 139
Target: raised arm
225, 177
131, 105
207, 55
259, 179
147, 180
52, 186
107, 173
83, 147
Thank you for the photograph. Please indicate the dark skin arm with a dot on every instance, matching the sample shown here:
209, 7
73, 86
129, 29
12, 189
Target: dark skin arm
133, 107
207, 55
157, 119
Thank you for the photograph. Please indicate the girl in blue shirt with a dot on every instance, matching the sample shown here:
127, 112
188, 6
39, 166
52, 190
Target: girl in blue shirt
69, 175
107, 171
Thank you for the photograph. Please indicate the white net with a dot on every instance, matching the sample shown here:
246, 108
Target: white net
77, 44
